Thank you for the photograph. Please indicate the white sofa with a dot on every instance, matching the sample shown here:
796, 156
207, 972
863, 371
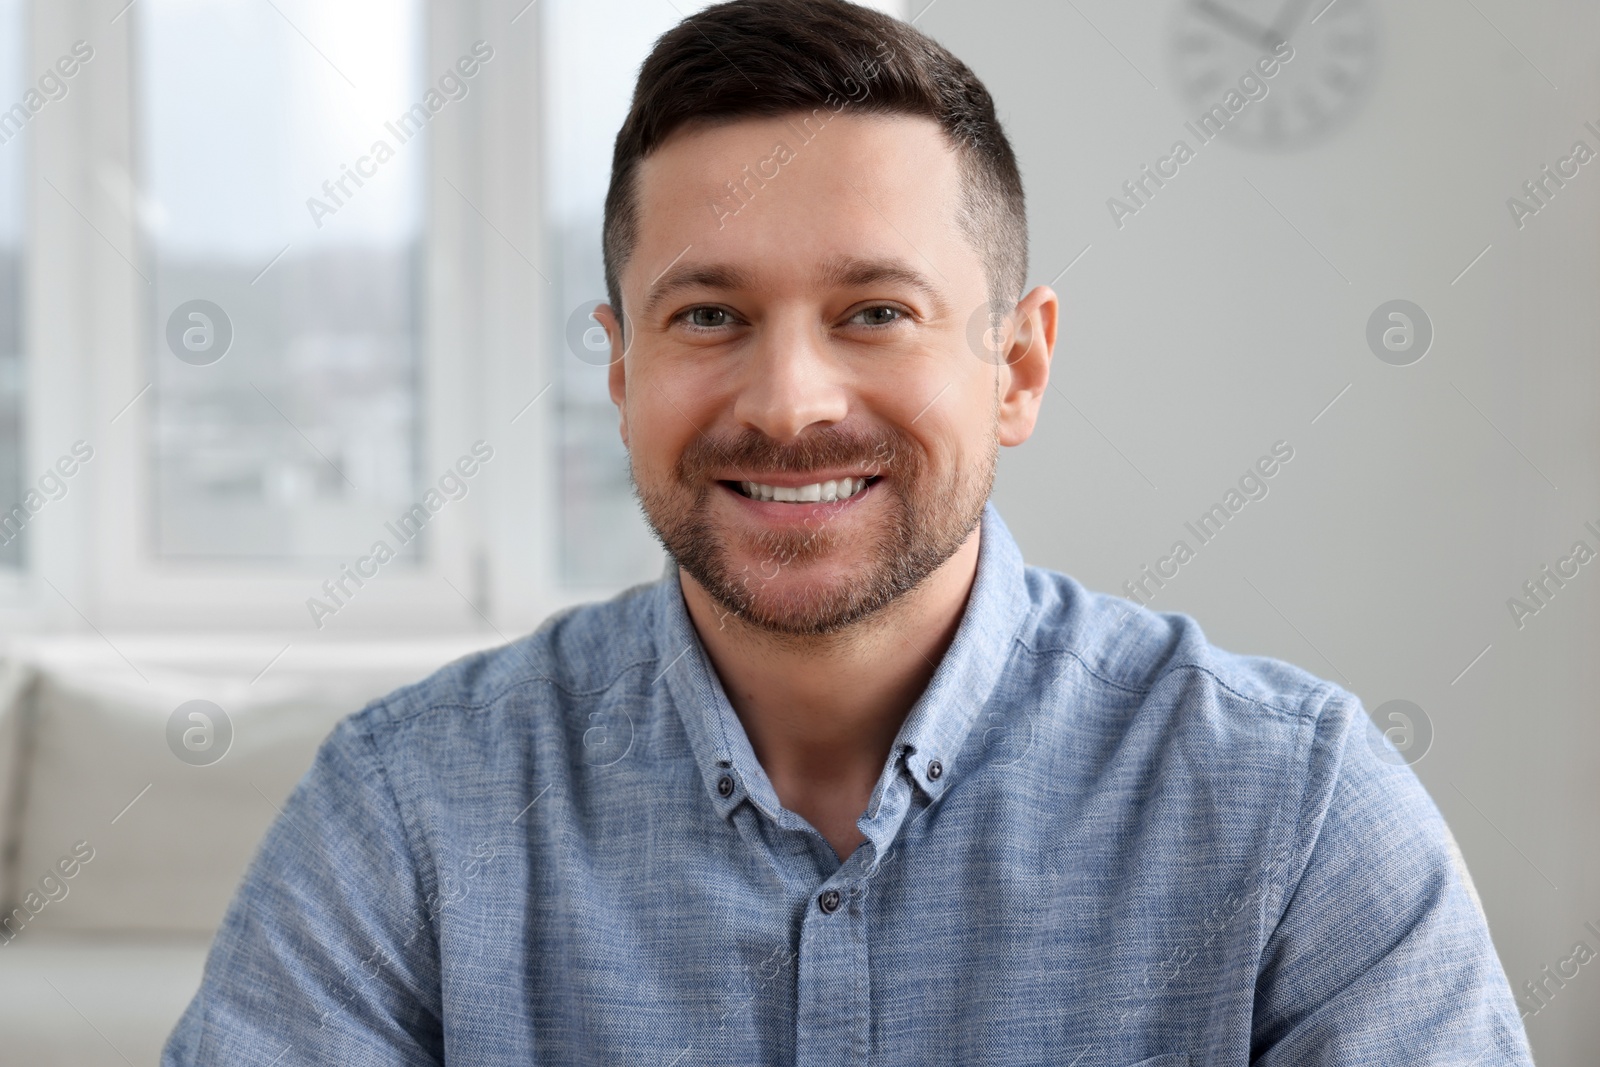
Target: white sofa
100, 973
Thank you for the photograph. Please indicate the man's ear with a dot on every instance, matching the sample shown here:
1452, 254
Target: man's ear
1026, 372
617, 371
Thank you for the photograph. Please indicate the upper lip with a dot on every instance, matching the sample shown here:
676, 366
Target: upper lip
789, 480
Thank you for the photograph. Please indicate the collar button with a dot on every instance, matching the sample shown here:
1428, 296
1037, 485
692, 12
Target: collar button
725, 785
935, 770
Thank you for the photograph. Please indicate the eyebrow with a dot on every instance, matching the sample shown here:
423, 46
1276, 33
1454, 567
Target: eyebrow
853, 272
838, 272
695, 276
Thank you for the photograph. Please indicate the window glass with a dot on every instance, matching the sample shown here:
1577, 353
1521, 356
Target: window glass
282, 154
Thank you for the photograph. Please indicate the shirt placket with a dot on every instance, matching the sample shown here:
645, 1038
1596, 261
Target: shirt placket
833, 984
833, 980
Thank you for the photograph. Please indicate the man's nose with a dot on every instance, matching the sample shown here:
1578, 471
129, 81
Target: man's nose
790, 381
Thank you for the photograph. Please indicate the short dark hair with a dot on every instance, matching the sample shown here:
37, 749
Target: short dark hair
776, 57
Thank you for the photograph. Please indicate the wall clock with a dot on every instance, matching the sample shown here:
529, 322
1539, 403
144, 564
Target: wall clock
1213, 43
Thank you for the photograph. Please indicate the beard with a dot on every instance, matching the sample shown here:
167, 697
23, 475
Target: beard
924, 518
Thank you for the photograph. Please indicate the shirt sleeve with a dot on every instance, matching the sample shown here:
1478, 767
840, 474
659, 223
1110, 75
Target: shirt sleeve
1382, 952
327, 953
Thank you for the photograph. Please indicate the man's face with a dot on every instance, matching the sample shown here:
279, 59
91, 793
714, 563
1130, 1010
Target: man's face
807, 338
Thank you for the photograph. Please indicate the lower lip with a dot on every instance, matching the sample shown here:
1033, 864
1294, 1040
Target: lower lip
795, 511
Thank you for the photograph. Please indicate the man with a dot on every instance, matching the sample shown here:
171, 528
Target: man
850, 783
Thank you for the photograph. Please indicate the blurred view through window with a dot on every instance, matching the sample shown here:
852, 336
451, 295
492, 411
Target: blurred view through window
308, 432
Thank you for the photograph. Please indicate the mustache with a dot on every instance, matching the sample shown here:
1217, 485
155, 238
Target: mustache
878, 453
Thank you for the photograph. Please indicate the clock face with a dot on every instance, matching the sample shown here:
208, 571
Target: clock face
1216, 42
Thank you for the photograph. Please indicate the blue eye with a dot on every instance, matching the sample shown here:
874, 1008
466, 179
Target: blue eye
693, 318
871, 320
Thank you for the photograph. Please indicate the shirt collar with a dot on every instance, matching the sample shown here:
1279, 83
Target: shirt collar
935, 729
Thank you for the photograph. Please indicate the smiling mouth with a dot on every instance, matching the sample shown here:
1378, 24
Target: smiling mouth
818, 492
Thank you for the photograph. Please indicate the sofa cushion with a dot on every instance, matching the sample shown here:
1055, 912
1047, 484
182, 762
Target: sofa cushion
155, 841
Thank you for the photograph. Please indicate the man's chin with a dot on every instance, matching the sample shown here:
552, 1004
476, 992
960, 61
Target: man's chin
809, 613
816, 596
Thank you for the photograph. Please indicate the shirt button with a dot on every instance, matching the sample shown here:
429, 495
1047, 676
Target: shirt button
935, 769
829, 901
725, 785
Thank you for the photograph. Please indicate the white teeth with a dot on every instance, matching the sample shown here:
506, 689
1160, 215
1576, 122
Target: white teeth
823, 492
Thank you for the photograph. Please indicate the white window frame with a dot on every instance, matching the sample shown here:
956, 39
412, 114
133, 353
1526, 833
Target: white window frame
85, 336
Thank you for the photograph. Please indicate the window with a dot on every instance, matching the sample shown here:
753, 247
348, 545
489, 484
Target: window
286, 299
263, 292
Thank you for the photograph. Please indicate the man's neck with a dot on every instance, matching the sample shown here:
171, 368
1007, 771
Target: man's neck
822, 713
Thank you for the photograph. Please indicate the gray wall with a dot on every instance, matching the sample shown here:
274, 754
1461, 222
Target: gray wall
1231, 309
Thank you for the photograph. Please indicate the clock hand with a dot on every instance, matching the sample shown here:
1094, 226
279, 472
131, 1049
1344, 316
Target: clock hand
1238, 25
1288, 18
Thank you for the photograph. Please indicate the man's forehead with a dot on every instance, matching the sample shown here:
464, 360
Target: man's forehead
866, 198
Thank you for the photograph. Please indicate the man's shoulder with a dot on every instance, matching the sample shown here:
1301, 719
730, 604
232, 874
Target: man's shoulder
1164, 658
582, 650
1146, 691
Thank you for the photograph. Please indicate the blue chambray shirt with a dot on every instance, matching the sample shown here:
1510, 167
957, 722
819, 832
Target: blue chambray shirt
1098, 841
